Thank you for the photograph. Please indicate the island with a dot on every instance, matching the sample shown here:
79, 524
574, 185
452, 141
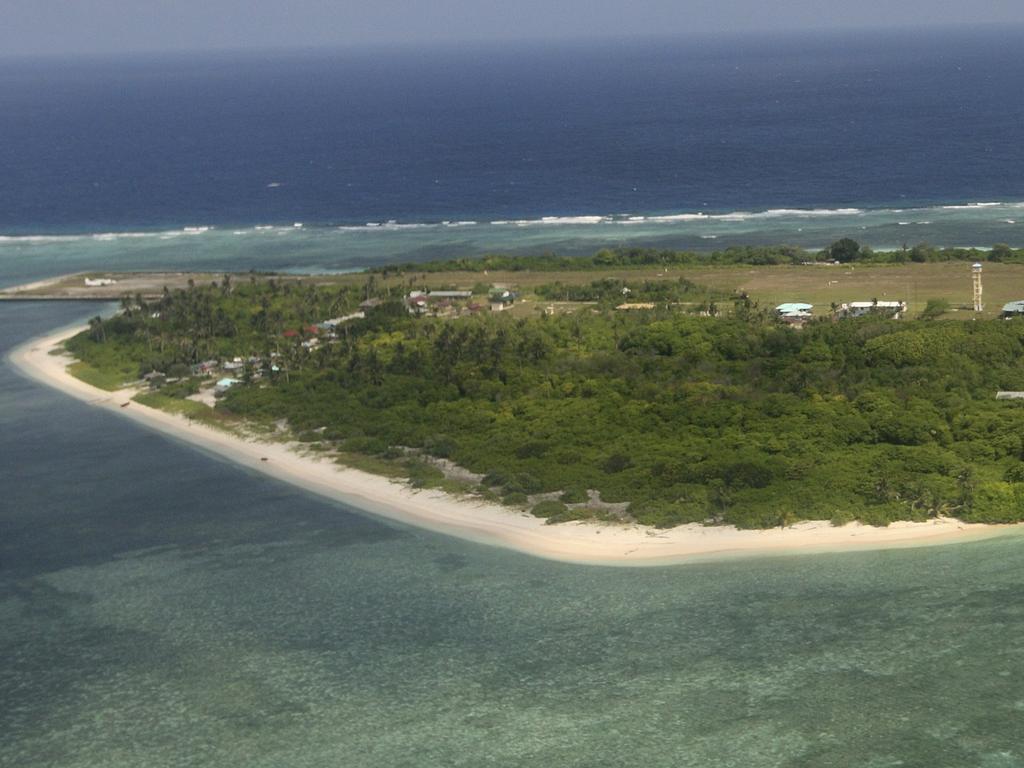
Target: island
633, 406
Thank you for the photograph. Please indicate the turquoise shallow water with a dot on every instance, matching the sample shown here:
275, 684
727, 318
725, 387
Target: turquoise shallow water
159, 607
326, 249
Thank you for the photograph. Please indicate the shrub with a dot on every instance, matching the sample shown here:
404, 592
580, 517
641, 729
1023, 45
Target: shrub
178, 371
549, 509
487, 494
373, 446
423, 475
667, 514
997, 503
496, 477
441, 446
616, 463
842, 517
523, 483
934, 308
182, 388
583, 513
574, 495
532, 450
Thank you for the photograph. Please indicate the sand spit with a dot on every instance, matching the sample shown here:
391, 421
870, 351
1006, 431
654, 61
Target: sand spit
485, 523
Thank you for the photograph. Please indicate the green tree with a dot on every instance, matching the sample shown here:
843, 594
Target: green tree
1001, 252
934, 309
844, 250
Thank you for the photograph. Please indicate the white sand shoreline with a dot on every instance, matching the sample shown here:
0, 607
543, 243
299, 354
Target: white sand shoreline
485, 523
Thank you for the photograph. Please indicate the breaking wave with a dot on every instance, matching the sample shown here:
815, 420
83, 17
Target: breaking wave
1006, 213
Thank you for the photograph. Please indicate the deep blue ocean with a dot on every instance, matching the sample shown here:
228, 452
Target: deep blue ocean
412, 153
160, 606
485, 134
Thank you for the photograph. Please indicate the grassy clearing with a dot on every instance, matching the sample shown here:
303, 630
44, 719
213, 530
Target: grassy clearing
108, 380
913, 283
189, 408
819, 284
375, 465
457, 487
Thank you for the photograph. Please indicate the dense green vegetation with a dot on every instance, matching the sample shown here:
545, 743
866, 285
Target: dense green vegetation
732, 419
845, 250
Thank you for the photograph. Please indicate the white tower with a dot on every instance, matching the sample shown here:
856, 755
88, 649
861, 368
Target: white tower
976, 278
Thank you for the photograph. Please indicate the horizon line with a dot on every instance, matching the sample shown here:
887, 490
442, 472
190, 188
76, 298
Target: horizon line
498, 43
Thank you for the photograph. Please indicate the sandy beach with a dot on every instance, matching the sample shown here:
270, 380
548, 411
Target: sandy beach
577, 542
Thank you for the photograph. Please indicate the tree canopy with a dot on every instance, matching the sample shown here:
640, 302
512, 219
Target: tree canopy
674, 416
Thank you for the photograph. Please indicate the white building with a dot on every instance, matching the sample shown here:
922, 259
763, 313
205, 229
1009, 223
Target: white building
894, 309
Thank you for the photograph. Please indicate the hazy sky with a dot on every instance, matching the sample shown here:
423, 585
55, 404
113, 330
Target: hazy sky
69, 26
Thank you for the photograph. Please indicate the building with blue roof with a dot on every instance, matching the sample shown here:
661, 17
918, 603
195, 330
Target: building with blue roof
224, 385
795, 313
794, 309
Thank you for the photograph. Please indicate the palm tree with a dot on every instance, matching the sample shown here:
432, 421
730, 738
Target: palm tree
97, 330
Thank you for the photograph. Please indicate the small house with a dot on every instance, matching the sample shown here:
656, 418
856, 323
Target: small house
449, 295
417, 304
502, 300
223, 385
334, 322
1012, 309
797, 309
795, 313
893, 309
